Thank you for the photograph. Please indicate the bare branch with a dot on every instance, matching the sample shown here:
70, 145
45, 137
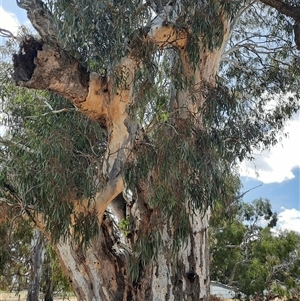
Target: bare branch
240, 13
7, 34
53, 112
290, 11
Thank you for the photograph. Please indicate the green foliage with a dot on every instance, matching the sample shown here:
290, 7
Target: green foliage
52, 272
252, 257
124, 226
15, 263
14, 254
98, 32
53, 158
256, 69
187, 163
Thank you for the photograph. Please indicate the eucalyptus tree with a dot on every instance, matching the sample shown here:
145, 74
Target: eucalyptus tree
247, 252
14, 254
175, 93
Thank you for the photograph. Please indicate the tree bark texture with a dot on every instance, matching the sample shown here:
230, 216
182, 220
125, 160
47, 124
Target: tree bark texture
37, 257
102, 272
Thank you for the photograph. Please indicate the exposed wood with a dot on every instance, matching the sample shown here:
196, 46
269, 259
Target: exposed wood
40, 66
102, 272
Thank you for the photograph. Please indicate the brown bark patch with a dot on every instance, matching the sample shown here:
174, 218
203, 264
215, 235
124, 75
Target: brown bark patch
43, 67
168, 35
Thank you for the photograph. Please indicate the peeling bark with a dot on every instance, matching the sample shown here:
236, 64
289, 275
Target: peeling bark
102, 272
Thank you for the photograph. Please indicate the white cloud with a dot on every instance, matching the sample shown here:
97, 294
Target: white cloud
289, 219
276, 165
9, 21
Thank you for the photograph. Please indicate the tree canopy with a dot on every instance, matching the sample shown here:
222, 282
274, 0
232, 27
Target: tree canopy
249, 253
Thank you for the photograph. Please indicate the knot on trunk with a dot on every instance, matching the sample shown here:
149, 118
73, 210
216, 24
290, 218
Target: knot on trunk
191, 276
24, 60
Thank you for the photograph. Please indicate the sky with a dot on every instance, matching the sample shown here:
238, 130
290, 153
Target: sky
276, 172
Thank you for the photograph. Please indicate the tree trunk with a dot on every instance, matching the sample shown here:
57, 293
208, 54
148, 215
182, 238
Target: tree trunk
106, 270
48, 279
102, 272
37, 257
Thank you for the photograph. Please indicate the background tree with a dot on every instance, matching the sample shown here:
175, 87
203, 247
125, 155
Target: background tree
14, 255
247, 254
21, 265
174, 94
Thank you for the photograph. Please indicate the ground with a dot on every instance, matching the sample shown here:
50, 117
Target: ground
4, 296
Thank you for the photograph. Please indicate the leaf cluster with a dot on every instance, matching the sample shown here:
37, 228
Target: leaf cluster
252, 257
98, 32
54, 157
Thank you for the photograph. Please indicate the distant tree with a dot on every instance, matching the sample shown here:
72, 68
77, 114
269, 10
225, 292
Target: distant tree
245, 253
37, 252
174, 94
54, 280
26, 263
15, 237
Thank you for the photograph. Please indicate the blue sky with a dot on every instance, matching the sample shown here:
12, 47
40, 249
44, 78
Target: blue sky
284, 194
278, 170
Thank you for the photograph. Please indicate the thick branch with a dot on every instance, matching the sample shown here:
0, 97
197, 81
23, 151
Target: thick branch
290, 11
41, 19
166, 35
40, 66
284, 8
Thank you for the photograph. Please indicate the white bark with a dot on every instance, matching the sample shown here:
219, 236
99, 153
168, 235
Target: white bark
191, 270
101, 273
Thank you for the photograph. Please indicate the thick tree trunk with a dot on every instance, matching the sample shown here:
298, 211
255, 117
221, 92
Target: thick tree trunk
102, 272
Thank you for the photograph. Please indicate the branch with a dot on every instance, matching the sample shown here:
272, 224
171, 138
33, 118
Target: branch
52, 112
290, 11
7, 34
41, 19
7, 142
240, 13
245, 192
284, 8
164, 35
40, 66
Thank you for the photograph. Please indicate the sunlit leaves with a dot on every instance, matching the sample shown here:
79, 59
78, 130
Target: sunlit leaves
252, 257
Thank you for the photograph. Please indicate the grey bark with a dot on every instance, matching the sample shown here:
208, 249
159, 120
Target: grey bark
37, 256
